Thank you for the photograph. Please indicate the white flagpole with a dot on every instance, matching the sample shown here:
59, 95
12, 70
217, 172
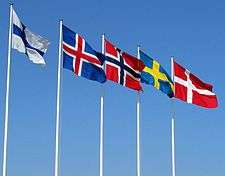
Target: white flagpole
101, 148
4, 164
58, 103
138, 136
173, 128
138, 128
173, 148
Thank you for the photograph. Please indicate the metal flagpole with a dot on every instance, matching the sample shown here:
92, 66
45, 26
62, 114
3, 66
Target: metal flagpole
4, 164
58, 103
138, 136
101, 148
173, 148
173, 127
138, 127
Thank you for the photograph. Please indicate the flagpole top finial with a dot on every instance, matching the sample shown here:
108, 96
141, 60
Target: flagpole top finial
139, 46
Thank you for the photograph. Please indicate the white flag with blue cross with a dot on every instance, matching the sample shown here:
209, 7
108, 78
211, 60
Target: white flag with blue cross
25, 41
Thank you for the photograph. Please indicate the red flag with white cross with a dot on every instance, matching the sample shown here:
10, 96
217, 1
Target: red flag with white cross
191, 89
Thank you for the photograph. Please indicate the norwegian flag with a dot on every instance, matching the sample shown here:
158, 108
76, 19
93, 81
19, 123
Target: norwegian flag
122, 68
191, 89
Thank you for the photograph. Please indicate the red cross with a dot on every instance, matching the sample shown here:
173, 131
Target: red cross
79, 54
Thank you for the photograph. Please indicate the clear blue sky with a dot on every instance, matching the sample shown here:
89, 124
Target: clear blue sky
192, 31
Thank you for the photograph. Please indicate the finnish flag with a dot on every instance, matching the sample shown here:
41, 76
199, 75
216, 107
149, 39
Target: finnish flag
25, 41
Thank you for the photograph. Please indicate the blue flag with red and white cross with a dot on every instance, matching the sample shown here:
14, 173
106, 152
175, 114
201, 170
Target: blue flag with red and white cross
80, 58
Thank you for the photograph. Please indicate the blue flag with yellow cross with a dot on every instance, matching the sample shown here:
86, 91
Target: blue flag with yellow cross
155, 74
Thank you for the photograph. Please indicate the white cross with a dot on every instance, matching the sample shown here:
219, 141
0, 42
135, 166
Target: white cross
190, 87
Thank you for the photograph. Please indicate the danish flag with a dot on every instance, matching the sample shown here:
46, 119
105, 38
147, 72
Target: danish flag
191, 89
122, 68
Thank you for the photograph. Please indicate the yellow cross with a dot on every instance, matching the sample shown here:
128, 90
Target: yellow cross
157, 75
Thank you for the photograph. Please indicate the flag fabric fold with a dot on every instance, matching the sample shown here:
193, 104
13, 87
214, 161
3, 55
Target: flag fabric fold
25, 41
154, 74
122, 68
191, 89
80, 58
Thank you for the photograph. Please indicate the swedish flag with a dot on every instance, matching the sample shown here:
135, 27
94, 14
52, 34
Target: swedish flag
154, 74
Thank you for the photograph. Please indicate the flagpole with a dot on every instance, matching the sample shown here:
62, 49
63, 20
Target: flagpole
57, 134
4, 163
101, 148
173, 127
173, 147
138, 135
138, 128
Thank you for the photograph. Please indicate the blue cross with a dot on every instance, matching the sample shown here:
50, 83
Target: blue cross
122, 66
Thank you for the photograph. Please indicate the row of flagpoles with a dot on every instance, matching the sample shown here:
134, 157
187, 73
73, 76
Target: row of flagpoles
184, 85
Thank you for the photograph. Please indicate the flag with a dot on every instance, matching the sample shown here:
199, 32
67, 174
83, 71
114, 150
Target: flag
122, 68
80, 58
25, 41
154, 74
191, 89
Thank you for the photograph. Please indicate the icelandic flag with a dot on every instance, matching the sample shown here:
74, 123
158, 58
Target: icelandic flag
80, 58
25, 41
